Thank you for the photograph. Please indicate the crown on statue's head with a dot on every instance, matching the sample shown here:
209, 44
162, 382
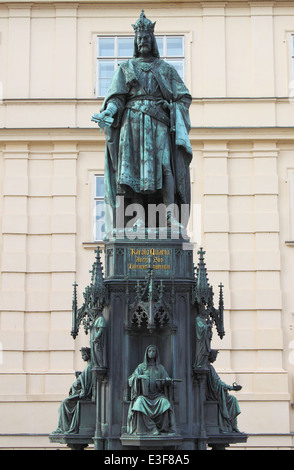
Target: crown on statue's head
144, 24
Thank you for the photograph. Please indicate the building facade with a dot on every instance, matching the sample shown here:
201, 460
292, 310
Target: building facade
237, 59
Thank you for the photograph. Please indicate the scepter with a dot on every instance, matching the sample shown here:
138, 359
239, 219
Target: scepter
172, 118
172, 382
74, 311
160, 380
168, 378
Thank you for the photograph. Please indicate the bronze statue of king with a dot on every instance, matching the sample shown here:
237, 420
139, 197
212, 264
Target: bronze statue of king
146, 119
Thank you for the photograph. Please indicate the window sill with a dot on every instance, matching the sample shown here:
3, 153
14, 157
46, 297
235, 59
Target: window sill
289, 243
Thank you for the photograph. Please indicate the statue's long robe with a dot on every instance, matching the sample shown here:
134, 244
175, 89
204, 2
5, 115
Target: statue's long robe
139, 145
69, 409
228, 404
97, 342
203, 340
150, 409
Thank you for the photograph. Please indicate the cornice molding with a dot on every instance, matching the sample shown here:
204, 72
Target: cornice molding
206, 4
197, 134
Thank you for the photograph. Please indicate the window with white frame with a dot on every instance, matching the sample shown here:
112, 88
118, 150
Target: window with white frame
291, 203
292, 56
112, 50
171, 49
99, 209
291, 74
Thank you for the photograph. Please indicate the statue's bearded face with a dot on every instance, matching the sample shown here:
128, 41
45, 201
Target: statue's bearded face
144, 43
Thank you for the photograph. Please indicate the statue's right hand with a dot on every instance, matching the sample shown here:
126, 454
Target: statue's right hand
236, 387
105, 113
103, 119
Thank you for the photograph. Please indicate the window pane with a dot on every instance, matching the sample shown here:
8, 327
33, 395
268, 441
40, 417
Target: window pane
99, 186
106, 47
179, 66
106, 68
125, 47
114, 50
99, 220
159, 41
174, 46
292, 208
103, 86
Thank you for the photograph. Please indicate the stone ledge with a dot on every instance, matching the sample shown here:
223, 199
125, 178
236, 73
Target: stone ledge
227, 438
74, 441
144, 441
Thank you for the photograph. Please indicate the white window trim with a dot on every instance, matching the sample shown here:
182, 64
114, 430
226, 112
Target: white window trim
116, 59
94, 199
291, 87
289, 43
290, 206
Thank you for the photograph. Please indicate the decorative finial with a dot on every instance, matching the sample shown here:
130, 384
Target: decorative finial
144, 24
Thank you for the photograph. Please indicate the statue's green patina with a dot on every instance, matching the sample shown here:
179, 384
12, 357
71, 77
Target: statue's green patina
151, 408
81, 389
228, 404
146, 119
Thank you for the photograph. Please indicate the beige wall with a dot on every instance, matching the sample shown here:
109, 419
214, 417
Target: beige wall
238, 71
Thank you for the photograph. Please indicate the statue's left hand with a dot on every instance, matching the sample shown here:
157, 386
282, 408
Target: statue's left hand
165, 104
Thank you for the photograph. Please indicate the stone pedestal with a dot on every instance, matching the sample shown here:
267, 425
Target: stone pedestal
99, 375
150, 294
170, 259
87, 424
149, 284
171, 442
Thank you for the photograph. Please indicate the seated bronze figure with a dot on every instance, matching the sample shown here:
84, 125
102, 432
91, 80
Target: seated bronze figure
151, 409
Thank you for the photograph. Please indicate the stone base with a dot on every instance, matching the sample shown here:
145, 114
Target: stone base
83, 438
223, 440
73, 441
132, 258
145, 442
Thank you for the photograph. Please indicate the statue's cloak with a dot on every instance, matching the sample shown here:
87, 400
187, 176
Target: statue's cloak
140, 141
